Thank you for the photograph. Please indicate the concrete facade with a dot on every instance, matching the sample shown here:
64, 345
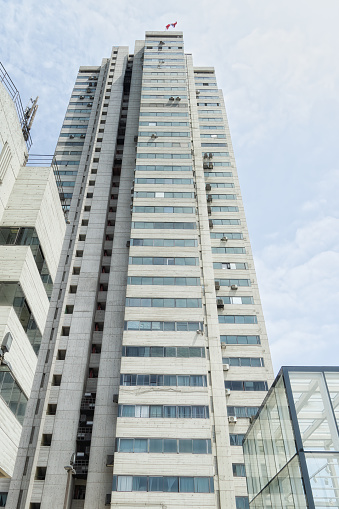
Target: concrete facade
155, 353
32, 228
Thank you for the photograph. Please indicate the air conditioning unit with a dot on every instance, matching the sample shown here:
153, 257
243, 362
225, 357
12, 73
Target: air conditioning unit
171, 99
208, 187
227, 392
217, 285
205, 155
82, 136
225, 367
89, 90
115, 398
161, 43
209, 198
224, 239
234, 287
210, 165
210, 155
232, 419
220, 304
197, 92
128, 243
209, 211
135, 138
223, 346
92, 97
81, 97
210, 223
178, 98
154, 136
252, 418
71, 136
89, 105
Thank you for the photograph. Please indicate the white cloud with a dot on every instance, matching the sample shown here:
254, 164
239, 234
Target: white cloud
277, 65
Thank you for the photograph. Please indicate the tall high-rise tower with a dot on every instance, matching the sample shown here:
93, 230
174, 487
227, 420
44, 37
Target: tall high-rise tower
155, 354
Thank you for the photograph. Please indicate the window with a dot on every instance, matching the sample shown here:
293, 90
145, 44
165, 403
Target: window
11, 294
240, 340
3, 498
160, 260
218, 222
237, 300
166, 484
230, 265
12, 394
165, 242
162, 168
161, 194
163, 114
242, 411
177, 281
161, 411
229, 235
142, 225
163, 155
240, 319
242, 503
236, 439
163, 326
245, 385
162, 302
238, 282
253, 362
163, 351
228, 250
238, 470
164, 380
164, 210
165, 181
169, 134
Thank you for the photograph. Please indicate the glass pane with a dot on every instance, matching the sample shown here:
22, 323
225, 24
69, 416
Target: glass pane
126, 444
170, 445
185, 446
139, 483
156, 484
186, 484
155, 445
140, 445
171, 484
199, 446
201, 485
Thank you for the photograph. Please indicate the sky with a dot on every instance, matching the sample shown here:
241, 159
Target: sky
277, 64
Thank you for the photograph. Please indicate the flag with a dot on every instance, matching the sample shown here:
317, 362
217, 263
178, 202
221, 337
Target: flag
171, 25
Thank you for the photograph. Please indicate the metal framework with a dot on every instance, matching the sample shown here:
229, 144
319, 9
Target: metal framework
49, 160
15, 96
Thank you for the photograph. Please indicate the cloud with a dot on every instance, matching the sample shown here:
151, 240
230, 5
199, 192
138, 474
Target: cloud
277, 65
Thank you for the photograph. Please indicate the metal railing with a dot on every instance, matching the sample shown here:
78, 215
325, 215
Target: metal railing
49, 160
15, 96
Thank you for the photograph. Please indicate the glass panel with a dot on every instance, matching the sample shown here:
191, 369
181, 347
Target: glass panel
171, 484
170, 445
125, 483
140, 445
185, 446
155, 445
126, 444
156, 484
201, 485
186, 484
139, 483
199, 446
314, 411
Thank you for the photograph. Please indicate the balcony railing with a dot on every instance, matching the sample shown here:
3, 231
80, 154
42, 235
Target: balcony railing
15, 96
48, 160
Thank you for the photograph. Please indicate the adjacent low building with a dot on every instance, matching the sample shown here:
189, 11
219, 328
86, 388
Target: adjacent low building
291, 449
32, 228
